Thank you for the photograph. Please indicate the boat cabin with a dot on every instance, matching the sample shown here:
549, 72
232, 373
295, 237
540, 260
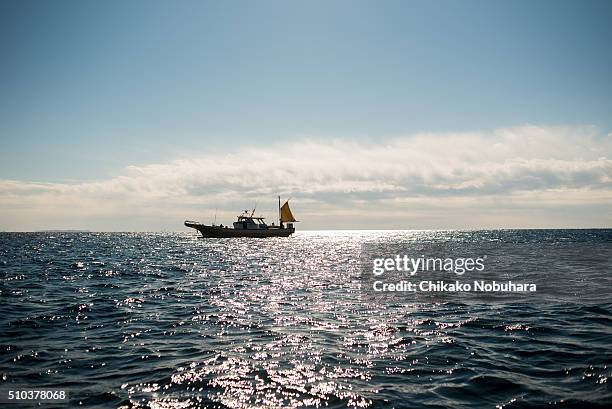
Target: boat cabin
250, 223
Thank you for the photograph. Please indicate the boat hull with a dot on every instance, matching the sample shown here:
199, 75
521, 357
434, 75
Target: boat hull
226, 232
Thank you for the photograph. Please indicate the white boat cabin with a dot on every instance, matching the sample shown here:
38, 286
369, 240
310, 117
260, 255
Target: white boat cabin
250, 223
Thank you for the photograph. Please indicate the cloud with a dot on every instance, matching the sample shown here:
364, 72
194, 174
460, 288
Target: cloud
514, 168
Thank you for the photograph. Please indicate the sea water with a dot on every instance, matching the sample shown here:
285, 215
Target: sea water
173, 320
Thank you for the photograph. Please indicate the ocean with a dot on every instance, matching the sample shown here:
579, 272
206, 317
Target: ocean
171, 320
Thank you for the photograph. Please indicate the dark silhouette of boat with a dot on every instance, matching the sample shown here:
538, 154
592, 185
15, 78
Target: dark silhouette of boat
249, 225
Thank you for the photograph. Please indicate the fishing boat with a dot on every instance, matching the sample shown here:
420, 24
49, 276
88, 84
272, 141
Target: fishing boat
249, 225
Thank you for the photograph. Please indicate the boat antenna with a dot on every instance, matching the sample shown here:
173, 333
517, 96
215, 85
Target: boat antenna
253, 212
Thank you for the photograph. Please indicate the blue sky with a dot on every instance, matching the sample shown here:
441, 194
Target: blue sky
92, 88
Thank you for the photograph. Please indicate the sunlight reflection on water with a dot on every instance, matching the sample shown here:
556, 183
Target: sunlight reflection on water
172, 320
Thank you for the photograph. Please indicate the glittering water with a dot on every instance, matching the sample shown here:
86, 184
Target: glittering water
173, 320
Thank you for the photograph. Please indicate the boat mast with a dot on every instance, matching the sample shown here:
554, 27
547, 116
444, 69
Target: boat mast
279, 212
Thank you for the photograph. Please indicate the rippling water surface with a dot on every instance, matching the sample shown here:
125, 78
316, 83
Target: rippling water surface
171, 320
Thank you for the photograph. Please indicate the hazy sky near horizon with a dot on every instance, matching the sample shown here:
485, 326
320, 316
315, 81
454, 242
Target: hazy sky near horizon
396, 114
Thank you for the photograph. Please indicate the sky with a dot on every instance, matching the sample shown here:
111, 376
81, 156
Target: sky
138, 115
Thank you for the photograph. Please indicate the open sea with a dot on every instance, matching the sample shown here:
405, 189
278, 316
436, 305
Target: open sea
171, 320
